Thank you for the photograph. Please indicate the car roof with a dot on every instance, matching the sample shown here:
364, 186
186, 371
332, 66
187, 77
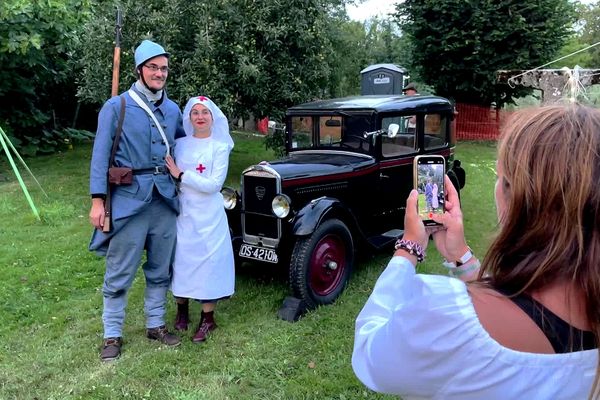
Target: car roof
379, 103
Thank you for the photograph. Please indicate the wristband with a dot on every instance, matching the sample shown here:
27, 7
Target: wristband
465, 269
465, 257
179, 177
413, 248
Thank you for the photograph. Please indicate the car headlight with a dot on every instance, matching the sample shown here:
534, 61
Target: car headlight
229, 198
281, 205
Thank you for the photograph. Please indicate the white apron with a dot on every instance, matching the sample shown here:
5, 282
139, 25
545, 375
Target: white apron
203, 268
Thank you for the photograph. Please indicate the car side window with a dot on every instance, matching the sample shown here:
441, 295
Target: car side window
435, 131
302, 132
405, 141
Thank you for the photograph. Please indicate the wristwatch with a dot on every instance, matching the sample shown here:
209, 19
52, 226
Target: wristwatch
465, 257
413, 248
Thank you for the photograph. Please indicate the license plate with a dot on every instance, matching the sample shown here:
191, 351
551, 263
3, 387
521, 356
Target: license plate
258, 253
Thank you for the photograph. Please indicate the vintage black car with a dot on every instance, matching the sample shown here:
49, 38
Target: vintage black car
342, 186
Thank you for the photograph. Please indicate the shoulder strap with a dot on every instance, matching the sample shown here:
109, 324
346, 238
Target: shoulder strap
141, 103
563, 337
117, 133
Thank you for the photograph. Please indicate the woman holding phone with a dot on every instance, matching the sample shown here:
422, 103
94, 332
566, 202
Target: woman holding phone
525, 323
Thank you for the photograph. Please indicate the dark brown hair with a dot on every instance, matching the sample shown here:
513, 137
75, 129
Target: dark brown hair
550, 228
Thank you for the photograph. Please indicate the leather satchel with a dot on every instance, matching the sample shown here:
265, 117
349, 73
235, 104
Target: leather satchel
120, 176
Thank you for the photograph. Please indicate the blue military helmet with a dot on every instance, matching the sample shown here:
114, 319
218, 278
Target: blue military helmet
147, 50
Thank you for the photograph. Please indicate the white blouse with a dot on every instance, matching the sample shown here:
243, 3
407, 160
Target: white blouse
418, 336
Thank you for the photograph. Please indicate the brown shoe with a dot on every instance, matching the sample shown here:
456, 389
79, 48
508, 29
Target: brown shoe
182, 318
111, 348
204, 329
162, 335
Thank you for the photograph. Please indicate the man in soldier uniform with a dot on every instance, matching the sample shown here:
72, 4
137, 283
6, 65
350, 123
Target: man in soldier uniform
143, 212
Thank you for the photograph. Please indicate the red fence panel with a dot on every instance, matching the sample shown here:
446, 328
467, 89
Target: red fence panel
474, 122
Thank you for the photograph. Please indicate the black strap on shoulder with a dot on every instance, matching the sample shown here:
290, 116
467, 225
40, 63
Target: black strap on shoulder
115, 145
563, 337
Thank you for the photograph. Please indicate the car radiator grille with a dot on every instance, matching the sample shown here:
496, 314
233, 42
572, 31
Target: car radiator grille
259, 188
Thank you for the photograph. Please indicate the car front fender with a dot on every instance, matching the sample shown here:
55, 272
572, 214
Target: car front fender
311, 215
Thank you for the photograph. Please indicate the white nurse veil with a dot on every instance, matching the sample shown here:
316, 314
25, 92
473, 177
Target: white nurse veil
220, 127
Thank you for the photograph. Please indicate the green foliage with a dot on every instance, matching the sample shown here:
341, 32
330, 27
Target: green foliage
588, 34
253, 58
37, 39
51, 141
583, 59
459, 45
275, 141
357, 45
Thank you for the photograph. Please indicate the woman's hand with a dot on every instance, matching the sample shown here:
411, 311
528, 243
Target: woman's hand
172, 167
413, 224
450, 241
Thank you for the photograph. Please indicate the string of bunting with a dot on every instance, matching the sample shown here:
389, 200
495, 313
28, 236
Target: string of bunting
6, 143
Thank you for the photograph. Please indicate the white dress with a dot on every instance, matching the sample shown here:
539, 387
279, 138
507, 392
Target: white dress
204, 266
418, 336
435, 202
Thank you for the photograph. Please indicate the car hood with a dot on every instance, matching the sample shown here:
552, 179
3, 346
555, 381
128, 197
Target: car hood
317, 163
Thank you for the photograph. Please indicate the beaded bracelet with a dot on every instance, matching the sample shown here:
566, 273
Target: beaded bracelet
413, 248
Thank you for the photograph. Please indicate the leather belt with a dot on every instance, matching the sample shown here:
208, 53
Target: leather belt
151, 171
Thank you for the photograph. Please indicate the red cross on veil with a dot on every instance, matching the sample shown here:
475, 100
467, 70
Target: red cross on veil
200, 168
202, 98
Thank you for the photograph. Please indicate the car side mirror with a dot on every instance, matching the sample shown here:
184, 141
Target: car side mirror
393, 130
272, 125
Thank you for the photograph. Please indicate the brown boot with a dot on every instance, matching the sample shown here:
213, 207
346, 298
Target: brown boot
182, 318
207, 324
111, 348
163, 335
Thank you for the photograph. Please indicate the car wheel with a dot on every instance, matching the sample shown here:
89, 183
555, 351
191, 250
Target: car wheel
321, 263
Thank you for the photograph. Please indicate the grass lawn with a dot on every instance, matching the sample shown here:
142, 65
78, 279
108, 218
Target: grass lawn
50, 324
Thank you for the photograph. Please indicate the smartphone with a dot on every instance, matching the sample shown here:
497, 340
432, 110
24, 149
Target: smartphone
428, 174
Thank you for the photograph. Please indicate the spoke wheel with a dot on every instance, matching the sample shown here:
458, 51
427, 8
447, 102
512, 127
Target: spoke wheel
321, 263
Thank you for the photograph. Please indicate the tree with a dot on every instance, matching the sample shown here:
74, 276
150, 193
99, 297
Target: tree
459, 45
37, 39
253, 57
356, 45
588, 34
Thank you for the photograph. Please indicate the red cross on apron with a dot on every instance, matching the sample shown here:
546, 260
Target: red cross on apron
200, 168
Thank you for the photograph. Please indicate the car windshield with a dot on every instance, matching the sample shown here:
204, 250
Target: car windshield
330, 131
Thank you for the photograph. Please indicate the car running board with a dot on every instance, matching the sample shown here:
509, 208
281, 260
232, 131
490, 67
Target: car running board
385, 239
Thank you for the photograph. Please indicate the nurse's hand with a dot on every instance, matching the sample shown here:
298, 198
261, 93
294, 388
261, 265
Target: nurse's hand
172, 167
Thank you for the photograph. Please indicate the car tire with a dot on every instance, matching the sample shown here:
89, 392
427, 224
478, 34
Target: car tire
321, 263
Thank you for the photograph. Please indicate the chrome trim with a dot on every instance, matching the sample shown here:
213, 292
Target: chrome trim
348, 153
287, 200
262, 168
266, 172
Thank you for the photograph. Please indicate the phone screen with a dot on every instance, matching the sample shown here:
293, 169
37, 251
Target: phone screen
429, 182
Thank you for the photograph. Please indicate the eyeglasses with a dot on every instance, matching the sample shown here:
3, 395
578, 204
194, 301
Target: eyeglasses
156, 68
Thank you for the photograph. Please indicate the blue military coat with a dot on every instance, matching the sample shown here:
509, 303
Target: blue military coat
141, 146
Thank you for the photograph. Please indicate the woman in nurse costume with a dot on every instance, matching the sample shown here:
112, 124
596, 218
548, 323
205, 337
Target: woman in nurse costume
203, 268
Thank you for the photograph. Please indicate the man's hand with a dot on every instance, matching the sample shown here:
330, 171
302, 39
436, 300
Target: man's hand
97, 213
